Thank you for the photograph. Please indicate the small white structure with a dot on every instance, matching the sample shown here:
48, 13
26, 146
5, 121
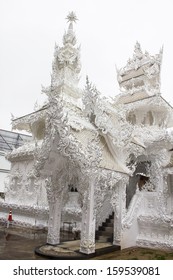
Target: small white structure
8, 141
91, 157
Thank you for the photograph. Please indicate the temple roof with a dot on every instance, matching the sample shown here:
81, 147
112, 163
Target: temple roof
107, 162
10, 140
127, 98
24, 152
141, 73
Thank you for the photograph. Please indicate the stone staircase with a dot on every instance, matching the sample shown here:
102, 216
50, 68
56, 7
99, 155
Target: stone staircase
105, 231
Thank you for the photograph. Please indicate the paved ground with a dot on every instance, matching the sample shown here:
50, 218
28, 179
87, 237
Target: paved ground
14, 246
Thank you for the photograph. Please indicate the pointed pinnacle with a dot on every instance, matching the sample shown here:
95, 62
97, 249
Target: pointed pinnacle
71, 17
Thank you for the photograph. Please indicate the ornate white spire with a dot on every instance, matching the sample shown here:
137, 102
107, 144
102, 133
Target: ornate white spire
70, 37
66, 65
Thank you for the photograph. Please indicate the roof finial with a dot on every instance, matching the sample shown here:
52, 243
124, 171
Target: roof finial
71, 17
137, 51
70, 37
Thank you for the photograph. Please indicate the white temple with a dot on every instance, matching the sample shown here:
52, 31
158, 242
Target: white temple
90, 157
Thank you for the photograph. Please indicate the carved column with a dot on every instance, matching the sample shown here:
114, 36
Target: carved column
87, 245
118, 203
55, 204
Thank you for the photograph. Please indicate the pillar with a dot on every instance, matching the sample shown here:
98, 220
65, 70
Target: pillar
54, 223
87, 245
54, 195
118, 202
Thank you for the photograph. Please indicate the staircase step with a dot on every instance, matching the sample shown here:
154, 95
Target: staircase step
102, 240
111, 216
109, 220
108, 229
107, 224
101, 227
110, 239
105, 239
105, 231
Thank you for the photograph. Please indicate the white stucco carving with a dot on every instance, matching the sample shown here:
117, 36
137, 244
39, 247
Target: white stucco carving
89, 155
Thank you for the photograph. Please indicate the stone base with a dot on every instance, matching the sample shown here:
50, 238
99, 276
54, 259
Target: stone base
70, 250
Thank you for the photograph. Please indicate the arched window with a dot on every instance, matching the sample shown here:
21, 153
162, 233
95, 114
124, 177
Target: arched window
131, 118
148, 119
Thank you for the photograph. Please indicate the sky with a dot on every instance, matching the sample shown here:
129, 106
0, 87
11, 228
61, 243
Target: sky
106, 30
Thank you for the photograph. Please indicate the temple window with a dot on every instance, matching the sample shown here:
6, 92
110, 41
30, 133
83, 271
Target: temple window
30, 186
131, 118
72, 188
142, 181
2, 195
14, 183
38, 129
148, 119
